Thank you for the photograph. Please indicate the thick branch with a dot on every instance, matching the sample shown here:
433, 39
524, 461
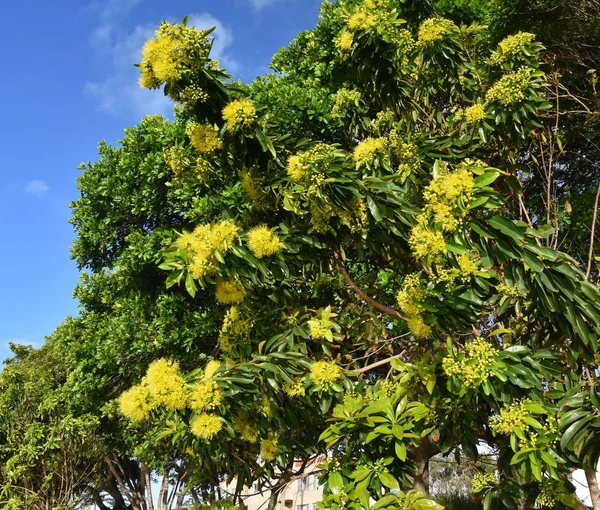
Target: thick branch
379, 363
358, 290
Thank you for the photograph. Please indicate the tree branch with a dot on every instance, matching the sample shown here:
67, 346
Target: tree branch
358, 290
591, 253
379, 363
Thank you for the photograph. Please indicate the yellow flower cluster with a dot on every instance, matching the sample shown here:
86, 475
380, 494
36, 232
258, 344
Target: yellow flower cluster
409, 159
325, 373
313, 161
510, 89
295, 389
203, 137
449, 187
475, 367
433, 29
427, 242
511, 46
177, 159
202, 243
135, 403
344, 42
206, 426
366, 151
321, 326
471, 114
210, 369
356, 218
384, 121
361, 20
241, 112
482, 481
413, 291
550, 492
467, 267
229, 291
202, 170
344, 101
174, 47
250, 185
269, 448
205, 396
263, 242
193, 94
507, 290
234, 327
247, 430
510, 417
165, 384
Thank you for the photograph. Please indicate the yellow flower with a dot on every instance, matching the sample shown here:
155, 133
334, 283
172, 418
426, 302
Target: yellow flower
177, 159
474, 114
345, 100
248, 431
203, 137
263, 242
239, 113
511, 46
365, 151
295, 169
205, 396
269, 448
417, 327
344, 42
426, 242
322, 325
165, 384
159, 59
324, 373
229, 291
434, 29
511, 87
206, 426
360, 20
210, 369
468, 267
413, 292
250, 185
482, 481
234, 327
135, 403
295, 389
193, 94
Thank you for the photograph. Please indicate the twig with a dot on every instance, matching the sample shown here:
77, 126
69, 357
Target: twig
358, 290
591, 253
379, 363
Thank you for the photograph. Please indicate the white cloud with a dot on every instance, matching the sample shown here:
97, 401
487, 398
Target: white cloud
112, 9
37, 188
120, 93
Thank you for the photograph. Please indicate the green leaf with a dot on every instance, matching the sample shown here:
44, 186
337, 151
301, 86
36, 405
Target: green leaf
486, 179
388, 480
506, 227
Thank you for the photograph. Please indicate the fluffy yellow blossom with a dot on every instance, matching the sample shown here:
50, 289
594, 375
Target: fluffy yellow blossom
234, 327
324, 373
135, 403
269, 448
426, 242
193, 94
510, 89
247, 430
210, 369
511, 46
165, 384
295, 389
250, 185
468, 267
344, 42
239, 113
511, 416
413, 291
407, 154
203, 137
482, 481
345, 100
263, 242
296, 169
361, 20
205, 396
206, 426
473, 114
313, 161
433, 29
474, 365
418, 327
447, 188
366, 151
229, 291
202, 243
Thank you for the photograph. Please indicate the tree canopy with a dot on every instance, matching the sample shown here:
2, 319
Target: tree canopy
369, 254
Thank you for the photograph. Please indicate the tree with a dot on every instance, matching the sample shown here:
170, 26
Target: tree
389, 294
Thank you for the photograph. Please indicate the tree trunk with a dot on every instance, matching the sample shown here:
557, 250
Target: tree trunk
592, 481
423, 453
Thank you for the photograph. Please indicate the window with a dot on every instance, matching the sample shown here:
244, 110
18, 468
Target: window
304, 485
301, 507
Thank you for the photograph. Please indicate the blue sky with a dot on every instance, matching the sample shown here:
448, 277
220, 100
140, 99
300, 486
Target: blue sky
69, 82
